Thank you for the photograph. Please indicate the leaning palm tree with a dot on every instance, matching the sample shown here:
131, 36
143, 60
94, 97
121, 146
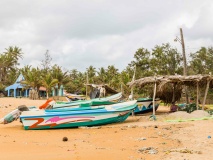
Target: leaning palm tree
9, 61
15, 53
48, 82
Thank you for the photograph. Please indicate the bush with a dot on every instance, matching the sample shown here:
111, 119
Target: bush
188, 107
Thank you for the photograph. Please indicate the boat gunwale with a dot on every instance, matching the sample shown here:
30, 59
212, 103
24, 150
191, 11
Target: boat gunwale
72, 113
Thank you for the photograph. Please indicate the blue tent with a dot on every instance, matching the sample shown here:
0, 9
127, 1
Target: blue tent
16, 90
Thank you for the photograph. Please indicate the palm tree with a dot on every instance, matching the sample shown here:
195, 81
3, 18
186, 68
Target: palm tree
15, 53
61, 76
91, 71
48, 82
113, 76
102, 77
9, 61
124, 78
32, 78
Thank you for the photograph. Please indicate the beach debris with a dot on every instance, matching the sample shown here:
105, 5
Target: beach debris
65, 139
100, 148
132, 126
123, 128
153, 118
167, 128
96, 127
153, 137
85, 127
148, 150
184, 150
209, 137
142, 139
155, 126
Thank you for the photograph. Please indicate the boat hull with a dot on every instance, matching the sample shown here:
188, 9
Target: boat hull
74, 117
33, 124
145, 105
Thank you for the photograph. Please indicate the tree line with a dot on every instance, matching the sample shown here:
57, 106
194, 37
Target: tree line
160, 60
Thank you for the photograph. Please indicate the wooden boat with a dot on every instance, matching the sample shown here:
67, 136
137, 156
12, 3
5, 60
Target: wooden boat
75, 97
76, 117
145, 105
92, 102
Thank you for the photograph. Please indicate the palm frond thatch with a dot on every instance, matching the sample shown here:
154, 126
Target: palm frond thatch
163, 80
165, 88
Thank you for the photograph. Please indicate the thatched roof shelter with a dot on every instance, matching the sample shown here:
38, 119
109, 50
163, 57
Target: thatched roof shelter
176, 80
106, 86
162, 80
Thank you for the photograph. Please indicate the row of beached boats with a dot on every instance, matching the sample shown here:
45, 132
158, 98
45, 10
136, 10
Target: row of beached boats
94, 112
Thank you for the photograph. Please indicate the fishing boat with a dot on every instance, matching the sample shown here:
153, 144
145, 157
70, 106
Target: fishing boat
76, 117
92, 102
145, 105
51, 104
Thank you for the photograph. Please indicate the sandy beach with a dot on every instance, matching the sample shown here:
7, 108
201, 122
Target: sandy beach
138, 138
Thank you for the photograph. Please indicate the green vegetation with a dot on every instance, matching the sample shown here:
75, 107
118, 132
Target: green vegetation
161, 60
209, 106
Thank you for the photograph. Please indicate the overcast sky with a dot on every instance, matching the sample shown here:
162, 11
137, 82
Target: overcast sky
80, 33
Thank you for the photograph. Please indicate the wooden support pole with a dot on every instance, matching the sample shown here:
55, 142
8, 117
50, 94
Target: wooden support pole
173, 94
184, 63
121, 88
206, 91
133, 79
197, 102
87, 85
153, 100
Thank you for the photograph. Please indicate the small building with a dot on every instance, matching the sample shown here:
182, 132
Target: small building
58, 91
17, 89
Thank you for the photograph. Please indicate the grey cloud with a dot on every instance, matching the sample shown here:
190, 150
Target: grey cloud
99, 32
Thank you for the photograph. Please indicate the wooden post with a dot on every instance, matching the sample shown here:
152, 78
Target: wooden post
153, 100
184, 63
87, 85
206, 91
173, 94
197, 102
133, 79
121, 88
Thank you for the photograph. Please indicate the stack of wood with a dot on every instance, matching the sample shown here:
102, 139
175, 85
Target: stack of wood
33, 94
